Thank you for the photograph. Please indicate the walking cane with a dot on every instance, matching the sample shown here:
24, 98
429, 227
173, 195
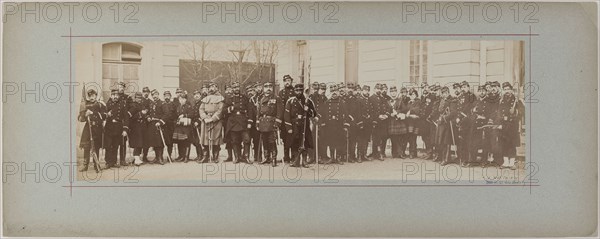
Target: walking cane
164, 143
259, 151
119, 156
347, 144
210, 146
454, 143
317, 144
201, 145
93, 148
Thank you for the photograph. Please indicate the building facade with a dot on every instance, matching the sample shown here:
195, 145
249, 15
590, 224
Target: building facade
403, 62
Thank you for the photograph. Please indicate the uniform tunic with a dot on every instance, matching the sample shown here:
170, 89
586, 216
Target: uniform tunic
137, 125
239, 113
334, 121
95, 122
183, 130
510, 121
155, 115
297, 120
212, 108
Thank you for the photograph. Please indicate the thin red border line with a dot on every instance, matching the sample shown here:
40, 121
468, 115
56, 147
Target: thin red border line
530, 125
297, 186
70, 114
304, 35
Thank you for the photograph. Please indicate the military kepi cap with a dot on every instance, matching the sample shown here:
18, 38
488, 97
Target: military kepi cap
299, 86
91, 92
506, 84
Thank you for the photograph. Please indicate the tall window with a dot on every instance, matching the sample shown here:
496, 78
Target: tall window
120, 63
418, 61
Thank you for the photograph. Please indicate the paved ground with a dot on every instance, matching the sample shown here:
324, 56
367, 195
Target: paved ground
392, 170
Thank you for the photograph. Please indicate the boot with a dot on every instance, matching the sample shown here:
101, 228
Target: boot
215, 155
229, 156
159, 156
85, 165
296, 162
339, 160
181, 152
360, 158
185, 156
145, 154
273, 157
286, 154
267, 157
205, 158
304, 162
246, 153
198, 153
236, 153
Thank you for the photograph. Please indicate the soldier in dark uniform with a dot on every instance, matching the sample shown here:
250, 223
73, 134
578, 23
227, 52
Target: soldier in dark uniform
444, 134
169, 108
254, 133
156, 121
385, 136
434, 115
510, 109
426, 125
380, 119
284, 95
144, 104
298, 111
335, 126
93, 114
354, 112
240, 118
318, 98
137, 126
195, 116
226, 137
492, 131
463, 121
268, 122
363, 123
117, 127
478, 120
183, 127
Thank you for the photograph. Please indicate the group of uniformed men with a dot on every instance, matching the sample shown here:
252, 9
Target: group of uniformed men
478, 129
